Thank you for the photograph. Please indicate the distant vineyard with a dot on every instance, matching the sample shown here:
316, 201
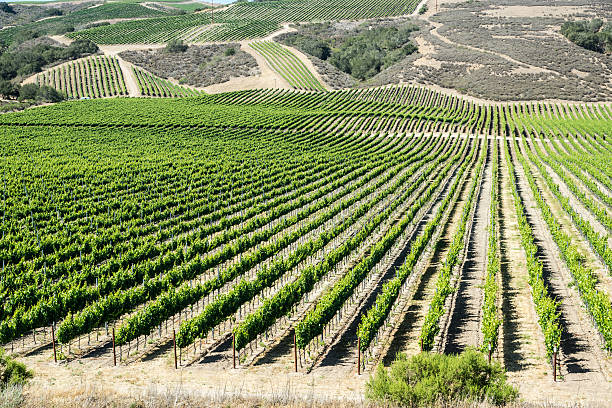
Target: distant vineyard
242, 21
80, 18
93, 77
319, 10
288, 66
258, 218
151, 85
148, 31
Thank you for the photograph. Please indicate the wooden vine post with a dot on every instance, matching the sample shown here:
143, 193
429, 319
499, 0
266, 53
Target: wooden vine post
53, 341
555, 364
114, 350
234, 349
490, 351
295, 351
174, 346
358, 356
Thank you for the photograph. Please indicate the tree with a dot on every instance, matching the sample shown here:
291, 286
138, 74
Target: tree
176, 46
5, 7
48, 94
28, 92
8, 89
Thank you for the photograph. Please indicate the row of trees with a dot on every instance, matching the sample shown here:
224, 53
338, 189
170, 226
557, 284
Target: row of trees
30, 92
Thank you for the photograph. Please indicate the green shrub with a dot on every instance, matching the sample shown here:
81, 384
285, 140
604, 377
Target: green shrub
230, 51
5, 7
592, 35
373, 50
12, 372
33, 92
176, 46
429, 378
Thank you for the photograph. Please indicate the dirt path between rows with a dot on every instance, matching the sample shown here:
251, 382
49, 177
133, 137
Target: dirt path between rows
585, 369
131, 83
524, 354
268, 78
309, 65
466, 318
406, 339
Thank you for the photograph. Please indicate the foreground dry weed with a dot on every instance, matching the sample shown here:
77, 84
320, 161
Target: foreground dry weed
91, 397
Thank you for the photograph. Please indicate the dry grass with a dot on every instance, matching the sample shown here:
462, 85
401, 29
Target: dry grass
91, 397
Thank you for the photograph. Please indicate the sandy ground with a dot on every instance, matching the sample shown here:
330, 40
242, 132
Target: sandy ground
267, 78
128, 76
62, 39
523, 343
537, 11
199, 381
427, 50
306, 61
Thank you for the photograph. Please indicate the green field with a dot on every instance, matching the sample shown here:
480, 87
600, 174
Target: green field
174, 190
93, 77
244, 20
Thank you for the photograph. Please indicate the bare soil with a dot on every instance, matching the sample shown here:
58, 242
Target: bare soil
523, 342
199, 66
585, 369
538, 11
267, 78
466, 318
406, 338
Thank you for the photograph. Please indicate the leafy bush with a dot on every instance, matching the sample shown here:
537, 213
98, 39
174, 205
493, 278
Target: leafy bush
9, 90
176, 46
53, 12
5, 7
12, 372
229, 52
33, 92
366, 54
429, 378
32, 60
592, 35
361, 54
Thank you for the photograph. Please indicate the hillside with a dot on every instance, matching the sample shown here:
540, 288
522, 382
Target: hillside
297, 202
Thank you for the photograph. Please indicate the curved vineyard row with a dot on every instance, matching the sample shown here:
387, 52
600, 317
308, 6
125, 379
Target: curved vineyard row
264, 214
92, 77
287, 65
151, 85
242, 21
